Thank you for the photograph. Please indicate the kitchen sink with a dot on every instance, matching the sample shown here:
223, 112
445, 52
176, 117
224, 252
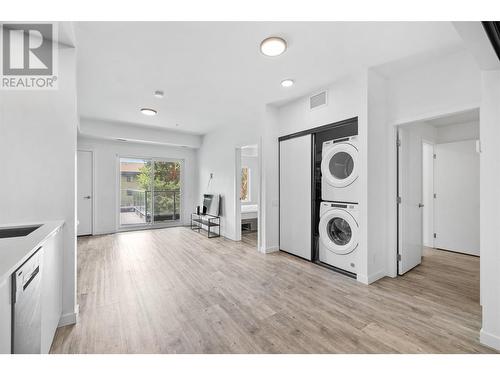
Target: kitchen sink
17, 231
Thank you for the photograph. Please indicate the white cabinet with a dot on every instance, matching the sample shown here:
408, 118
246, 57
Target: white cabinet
52, 270
295, 195
51, 295
5, 314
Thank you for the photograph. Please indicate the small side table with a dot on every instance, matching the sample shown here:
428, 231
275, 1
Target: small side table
210, 221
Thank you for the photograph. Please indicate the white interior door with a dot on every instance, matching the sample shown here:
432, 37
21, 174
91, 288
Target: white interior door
410, 208
295, 196
84, 192
456, 213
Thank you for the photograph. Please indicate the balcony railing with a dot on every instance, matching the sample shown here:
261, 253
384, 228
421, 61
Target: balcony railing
143, 206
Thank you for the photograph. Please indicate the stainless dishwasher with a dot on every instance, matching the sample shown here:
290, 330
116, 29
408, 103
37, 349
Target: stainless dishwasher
26, 308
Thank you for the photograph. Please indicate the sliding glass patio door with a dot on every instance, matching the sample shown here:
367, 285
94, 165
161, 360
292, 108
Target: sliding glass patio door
150, 191
166, 191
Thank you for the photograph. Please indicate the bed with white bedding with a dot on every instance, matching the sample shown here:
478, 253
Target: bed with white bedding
249, 211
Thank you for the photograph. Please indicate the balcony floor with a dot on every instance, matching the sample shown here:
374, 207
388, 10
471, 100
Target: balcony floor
131, 218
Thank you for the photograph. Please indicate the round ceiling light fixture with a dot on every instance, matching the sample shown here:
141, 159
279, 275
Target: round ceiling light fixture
287, 82
148, 112
159, 94
273, 46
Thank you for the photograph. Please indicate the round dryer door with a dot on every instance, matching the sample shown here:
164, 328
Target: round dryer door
338, 231
339, 165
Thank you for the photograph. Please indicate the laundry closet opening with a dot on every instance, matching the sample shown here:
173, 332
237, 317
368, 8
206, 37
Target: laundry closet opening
319, 195
438, 202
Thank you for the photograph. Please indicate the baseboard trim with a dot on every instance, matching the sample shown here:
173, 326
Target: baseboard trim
269, 250
489, 339
103, 233
227, 236
376, 276
368, 279
362, 279
70, 318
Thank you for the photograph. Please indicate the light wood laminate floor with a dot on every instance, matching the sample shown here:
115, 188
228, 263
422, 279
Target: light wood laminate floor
175, 291
249, 238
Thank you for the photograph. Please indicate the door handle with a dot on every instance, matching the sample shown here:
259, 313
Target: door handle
87, 197
31, 278
420, 205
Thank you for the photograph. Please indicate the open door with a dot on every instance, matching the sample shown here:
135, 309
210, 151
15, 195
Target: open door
410, 240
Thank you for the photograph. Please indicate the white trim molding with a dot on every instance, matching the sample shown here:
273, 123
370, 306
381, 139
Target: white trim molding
369, 279
376, 276
489, 339
269, 250
70, 318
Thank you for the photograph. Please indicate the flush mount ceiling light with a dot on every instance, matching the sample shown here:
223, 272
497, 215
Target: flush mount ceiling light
273, 46
287, 82
148, 112
158, 94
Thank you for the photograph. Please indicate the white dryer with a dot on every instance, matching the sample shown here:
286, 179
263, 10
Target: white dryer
340, 170
339, 235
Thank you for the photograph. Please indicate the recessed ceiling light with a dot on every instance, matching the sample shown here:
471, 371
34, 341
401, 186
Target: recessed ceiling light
148, 112
273, 46
287, 83
159, 94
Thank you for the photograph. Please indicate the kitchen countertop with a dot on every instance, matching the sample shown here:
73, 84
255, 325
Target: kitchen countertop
15, 251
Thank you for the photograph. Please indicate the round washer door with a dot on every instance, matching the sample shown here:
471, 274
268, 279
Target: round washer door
338, 231
339, 165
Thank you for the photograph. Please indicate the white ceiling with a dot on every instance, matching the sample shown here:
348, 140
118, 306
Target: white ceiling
213, 73
456, 118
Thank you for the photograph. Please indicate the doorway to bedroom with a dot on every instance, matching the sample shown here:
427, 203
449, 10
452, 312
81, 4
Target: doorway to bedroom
438, 189
248, 177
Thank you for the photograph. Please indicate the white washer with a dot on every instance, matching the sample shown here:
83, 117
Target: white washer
340, 170
339, 235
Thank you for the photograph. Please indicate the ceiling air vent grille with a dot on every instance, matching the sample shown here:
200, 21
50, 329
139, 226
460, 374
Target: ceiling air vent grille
318, 100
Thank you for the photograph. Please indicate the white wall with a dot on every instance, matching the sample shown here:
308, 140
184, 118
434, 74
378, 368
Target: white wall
457, 132
490, 208
345, 100
106, 153
252, 162
269, 189
217, 155
444, 85
37, 159
377, 149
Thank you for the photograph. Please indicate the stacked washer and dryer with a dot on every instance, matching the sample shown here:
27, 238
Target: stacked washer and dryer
319, 195
339, 220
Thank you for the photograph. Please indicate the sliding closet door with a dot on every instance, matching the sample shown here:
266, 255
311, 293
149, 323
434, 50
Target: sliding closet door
295, 196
